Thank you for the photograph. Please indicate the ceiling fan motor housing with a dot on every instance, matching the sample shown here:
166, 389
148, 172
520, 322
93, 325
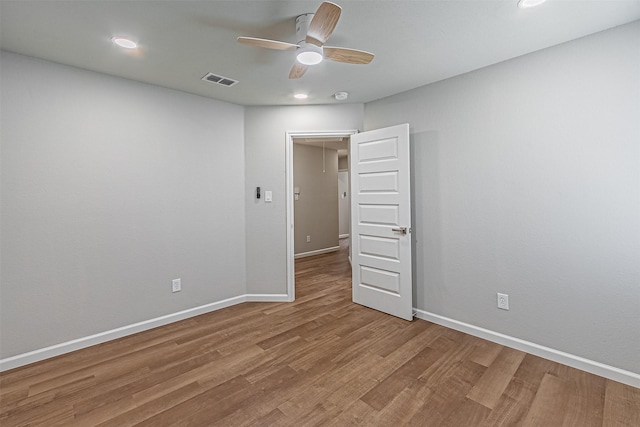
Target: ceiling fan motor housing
302, 26
308, 53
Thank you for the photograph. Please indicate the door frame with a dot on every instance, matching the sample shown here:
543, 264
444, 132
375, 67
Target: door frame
290, 135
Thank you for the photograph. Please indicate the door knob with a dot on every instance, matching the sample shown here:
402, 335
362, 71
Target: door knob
402, 230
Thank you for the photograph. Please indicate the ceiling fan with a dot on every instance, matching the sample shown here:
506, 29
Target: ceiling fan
313, 31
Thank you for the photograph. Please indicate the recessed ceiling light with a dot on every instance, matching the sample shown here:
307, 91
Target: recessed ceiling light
300, 96
525, 4
125, 43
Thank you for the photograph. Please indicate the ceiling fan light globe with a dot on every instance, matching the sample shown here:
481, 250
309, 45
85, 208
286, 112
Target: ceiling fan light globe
309, 54
526, 4
309, 58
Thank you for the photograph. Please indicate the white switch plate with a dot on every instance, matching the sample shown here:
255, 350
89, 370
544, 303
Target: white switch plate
176, 285
268, 196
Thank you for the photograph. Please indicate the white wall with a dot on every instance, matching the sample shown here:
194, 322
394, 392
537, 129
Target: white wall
526, 181
265, 141
110, 189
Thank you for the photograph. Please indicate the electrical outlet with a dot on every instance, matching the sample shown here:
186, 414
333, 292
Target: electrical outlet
503, 301
308, 239
176, 285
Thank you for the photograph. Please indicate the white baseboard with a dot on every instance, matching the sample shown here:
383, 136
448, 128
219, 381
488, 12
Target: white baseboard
343, 236
80, 343
596, 368
267, 298
317, 252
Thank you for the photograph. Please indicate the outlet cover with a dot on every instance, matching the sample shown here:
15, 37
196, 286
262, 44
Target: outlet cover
176, 285
503, 301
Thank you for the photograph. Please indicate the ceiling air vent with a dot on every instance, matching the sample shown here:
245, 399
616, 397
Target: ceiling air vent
221, 80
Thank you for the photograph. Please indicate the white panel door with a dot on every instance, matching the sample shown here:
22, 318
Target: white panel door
381, 220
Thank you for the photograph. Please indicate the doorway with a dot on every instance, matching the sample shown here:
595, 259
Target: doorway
310, 138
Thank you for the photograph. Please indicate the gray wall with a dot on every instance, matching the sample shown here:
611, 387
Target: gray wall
526, 181
344, 203
343, 163
110, 189
265, 142
316, 210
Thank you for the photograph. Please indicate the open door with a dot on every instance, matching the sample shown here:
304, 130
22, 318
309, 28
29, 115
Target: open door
381, 220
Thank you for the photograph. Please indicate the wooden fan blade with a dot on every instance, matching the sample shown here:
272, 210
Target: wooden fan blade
323, 23
297, 70
266, 43
350, 56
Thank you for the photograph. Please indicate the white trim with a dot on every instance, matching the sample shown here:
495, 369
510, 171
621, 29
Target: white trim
84, 342
267, 298
316, 252
593, 367
343, 236
291, 278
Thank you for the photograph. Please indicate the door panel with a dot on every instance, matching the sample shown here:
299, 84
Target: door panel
378, 150
380, 209
379, 215
380, 246
378, 182
380, 279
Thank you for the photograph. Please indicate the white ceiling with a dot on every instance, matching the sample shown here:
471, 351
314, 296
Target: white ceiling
415, 42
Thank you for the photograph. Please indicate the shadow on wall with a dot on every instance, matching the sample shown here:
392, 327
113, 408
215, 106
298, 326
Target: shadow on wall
426, 214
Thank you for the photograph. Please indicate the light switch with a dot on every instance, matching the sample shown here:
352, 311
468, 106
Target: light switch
268, 196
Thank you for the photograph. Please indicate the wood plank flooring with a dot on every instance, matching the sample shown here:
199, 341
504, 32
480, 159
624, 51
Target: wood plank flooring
321, 360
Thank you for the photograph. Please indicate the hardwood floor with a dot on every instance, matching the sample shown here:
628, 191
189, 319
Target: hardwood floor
321, 360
